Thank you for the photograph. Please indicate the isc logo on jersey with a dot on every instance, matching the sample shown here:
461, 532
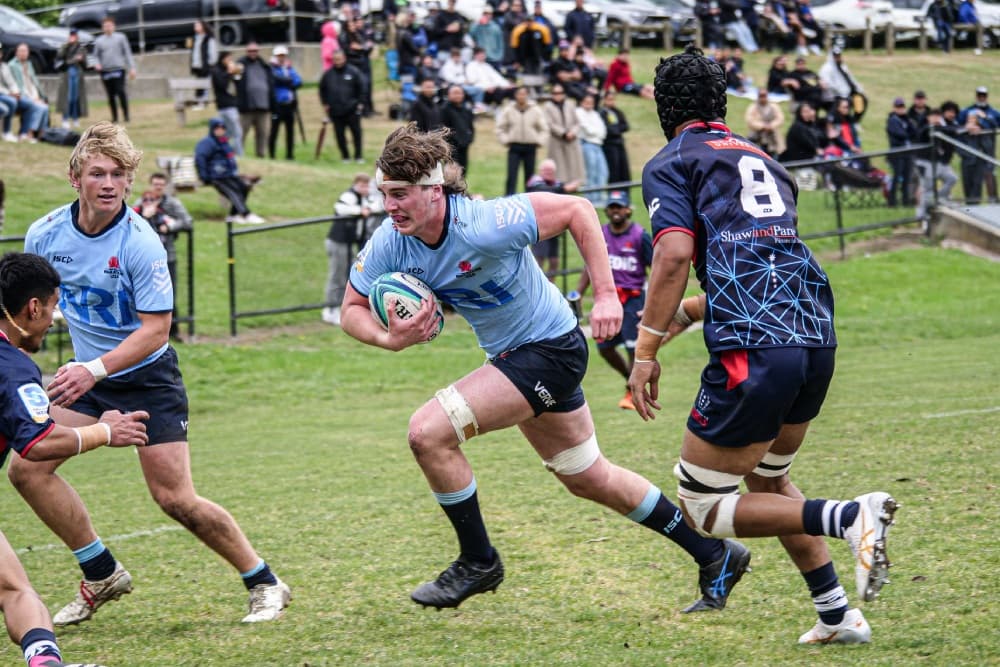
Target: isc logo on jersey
35, 401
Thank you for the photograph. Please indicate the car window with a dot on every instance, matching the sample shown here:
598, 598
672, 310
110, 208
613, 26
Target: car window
821, 3
14, 22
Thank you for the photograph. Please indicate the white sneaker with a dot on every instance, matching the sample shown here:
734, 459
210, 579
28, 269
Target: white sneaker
238, 219
866, 537
253, 219
815, 50
854, 629
76, 123
267, 601
10, 137
65, 125
331, 316
92, 595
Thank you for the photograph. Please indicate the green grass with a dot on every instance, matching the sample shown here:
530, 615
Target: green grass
301, 433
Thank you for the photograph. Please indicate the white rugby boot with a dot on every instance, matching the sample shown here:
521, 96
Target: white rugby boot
866, 537
267, 601
92, 595
854, 629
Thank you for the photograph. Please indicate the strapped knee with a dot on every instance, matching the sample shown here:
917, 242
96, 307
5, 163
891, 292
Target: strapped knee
576, 459
701, 489
462, 419
774, 465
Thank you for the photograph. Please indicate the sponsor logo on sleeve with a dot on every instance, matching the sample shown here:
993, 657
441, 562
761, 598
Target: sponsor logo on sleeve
35, 401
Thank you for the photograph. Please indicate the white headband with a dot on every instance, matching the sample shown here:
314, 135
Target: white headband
434, 177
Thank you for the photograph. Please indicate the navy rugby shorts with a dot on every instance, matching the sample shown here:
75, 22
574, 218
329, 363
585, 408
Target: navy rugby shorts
747, 395
157, 388
548, 373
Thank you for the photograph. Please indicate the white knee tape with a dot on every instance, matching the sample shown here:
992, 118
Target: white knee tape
701, 489
774, 465
462, 419
575, 460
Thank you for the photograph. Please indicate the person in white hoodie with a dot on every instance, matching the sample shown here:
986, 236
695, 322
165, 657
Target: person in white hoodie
481, 74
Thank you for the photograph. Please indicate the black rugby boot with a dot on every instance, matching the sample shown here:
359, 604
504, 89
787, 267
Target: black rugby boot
461, 580
716, 580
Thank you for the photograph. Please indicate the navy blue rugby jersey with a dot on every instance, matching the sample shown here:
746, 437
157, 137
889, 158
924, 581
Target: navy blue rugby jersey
764, 287
24, 413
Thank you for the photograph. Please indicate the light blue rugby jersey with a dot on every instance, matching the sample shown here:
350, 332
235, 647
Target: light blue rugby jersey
107, 278
482, 266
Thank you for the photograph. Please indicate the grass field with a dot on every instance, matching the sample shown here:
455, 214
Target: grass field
301, 433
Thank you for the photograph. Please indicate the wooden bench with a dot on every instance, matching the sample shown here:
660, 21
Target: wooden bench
181, 171
184, 92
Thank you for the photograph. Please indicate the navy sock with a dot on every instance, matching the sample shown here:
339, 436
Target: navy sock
828, 517
99, 567
39, 641
462, 508
659, 514
828, 595
261, 574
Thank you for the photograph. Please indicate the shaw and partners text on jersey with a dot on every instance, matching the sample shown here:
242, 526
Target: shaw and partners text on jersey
774, 231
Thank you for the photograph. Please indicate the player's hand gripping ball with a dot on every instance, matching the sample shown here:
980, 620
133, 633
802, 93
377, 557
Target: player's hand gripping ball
406, 291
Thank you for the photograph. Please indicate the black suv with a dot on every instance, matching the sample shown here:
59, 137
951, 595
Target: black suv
168, 22
43, 42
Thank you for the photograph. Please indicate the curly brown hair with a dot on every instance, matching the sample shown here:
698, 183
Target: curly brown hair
409, 155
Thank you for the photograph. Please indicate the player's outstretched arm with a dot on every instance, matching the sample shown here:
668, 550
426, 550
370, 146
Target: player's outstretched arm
357, 322
114, 429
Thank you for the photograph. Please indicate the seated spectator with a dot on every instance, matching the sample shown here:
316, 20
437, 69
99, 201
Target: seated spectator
546, 180
620, 77
732, 23
216, 163
9, 99
967, 13
736, 78
453, 73
843, 128
836, 78
429, 70
812, 31
480, 73
566, 72
764, 120
709, 14
804, 84
31, 100
782, 19
592, 73
776, 77
806, 137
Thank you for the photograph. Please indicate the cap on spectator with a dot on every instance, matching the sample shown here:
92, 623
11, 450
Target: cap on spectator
74, 31
981, 90
899, 102
920, 95
618, 198
280, 50
563, 44
837, 51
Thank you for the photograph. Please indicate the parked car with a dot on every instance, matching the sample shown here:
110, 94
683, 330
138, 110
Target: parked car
682, 18
907, 15
851, 14
44, 43
168, 22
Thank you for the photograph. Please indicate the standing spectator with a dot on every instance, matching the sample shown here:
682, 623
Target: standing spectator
988, 119
346, 237
547, 251
169, 217
255, 98
564, 135
837, 80
942, 13
330, 43
765, 121
29, 292
426, 111
488, 35
580, 22
709, 13
358, 42
410, 43
481, 74
630, 252
458, 117
216, 164
620, 77
614, 143
224, 76
522, 128
974, 168
511, 19
286, 101
919, 111
29, 91
901, 134
541, 19
806, 137
592, 134
114, 62
204, 55
449, 30
532, 45
341, 92
935, 162
72, 97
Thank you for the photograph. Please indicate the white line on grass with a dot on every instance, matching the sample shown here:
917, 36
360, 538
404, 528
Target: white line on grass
959, 413
113, 538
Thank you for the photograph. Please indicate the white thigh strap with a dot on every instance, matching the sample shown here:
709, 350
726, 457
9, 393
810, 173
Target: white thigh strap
462, 419
576, 459
774, 465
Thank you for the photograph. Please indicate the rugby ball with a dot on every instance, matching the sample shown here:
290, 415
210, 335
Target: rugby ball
401, 292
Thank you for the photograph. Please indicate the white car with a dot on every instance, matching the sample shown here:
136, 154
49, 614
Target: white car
907, 16
851, 14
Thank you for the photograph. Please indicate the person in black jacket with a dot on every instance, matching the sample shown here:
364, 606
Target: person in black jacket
614, 141
341, 92
580, 22
806, 137
901, 134
426, 112
456, 114
224, 89
942, 13
935, 162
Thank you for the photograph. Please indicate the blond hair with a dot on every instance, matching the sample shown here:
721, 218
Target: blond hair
109, 140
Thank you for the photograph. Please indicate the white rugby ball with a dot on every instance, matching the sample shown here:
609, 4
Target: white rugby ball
401, 292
